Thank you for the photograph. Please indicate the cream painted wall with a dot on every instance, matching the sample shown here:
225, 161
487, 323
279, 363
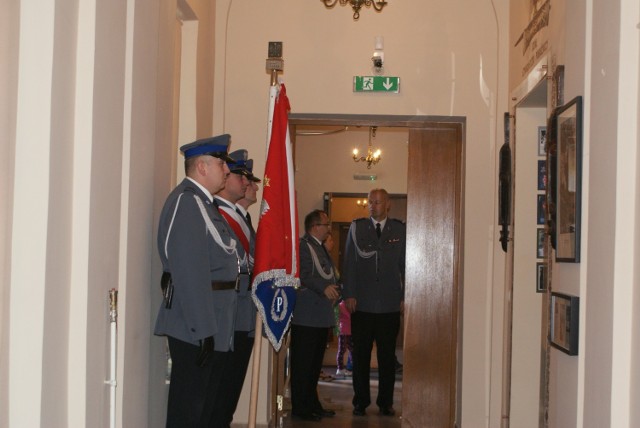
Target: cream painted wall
452, 61
611, 78
527, 303
8, 94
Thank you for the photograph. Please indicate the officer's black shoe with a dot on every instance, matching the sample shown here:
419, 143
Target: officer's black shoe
307, 416
325, 413
387, 411
359, 411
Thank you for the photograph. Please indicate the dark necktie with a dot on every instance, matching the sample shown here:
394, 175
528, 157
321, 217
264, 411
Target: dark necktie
378, 231
248, 217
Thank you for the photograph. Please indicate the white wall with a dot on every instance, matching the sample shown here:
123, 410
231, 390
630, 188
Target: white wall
610, 277
527, 303
8, 94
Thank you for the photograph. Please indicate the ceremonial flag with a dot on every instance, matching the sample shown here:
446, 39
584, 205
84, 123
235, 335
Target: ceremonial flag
277, 265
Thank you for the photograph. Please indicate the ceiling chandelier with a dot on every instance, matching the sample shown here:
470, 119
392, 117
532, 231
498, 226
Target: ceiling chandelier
372, 157
357, 4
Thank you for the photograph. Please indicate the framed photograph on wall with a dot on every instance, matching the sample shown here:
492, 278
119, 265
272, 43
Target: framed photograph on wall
542, 208
542, 140
565, 311
552, 157
557, 87
542, 175
540, 243
568, 180
541, 277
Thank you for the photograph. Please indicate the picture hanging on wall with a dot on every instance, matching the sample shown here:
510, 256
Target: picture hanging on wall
542, 208
542, 140
540, 243
568, 182
542, 175
557, 87
541, 277
565, 311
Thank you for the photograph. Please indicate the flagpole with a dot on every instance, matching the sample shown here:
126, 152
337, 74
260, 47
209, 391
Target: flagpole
255, 373
274, 64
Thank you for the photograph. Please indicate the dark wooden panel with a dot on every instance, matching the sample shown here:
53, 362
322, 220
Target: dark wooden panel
431, 297
373, 120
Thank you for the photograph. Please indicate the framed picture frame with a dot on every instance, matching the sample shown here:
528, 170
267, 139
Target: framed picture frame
568, 127
557, 87
565, 312
542, 140
539, 243
542, 175
542, 209
552, 163
541, 277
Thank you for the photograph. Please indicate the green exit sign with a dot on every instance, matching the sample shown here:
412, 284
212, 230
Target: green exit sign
376, 84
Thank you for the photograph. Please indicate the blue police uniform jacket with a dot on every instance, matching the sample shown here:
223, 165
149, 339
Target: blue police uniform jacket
194, 259
246, 313
313, 308
373, 269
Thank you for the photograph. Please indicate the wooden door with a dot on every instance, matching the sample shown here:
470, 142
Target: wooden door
433, 266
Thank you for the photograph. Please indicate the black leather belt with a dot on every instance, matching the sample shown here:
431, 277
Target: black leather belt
223, 285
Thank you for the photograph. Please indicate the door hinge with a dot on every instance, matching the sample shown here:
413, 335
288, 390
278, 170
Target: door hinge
280, 401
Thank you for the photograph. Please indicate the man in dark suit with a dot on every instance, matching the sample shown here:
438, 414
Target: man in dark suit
245, 321
200, 264
313, 316
373, 290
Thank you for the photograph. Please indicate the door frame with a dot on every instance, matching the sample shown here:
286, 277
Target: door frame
432, 370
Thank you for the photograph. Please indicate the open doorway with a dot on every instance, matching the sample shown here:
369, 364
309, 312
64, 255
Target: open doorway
529, 349
432, 166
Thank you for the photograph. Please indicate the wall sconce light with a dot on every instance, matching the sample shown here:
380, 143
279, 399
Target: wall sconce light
372, 157
356, 5
362, 203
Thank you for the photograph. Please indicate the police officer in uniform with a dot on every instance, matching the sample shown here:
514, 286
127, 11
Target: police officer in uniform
313, 316
373, 290
250, 196
226, 199
200, 262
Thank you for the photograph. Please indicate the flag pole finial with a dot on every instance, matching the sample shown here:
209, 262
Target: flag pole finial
275, 62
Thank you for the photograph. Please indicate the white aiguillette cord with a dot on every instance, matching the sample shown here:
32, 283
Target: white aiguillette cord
362, 253
318, 266
229, 249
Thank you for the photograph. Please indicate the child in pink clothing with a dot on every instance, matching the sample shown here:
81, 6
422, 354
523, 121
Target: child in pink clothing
345, 342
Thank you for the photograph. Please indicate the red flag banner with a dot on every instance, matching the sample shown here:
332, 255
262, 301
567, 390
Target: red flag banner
276, 273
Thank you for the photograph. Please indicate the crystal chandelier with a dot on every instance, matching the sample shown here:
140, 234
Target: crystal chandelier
372, 157
357, 4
